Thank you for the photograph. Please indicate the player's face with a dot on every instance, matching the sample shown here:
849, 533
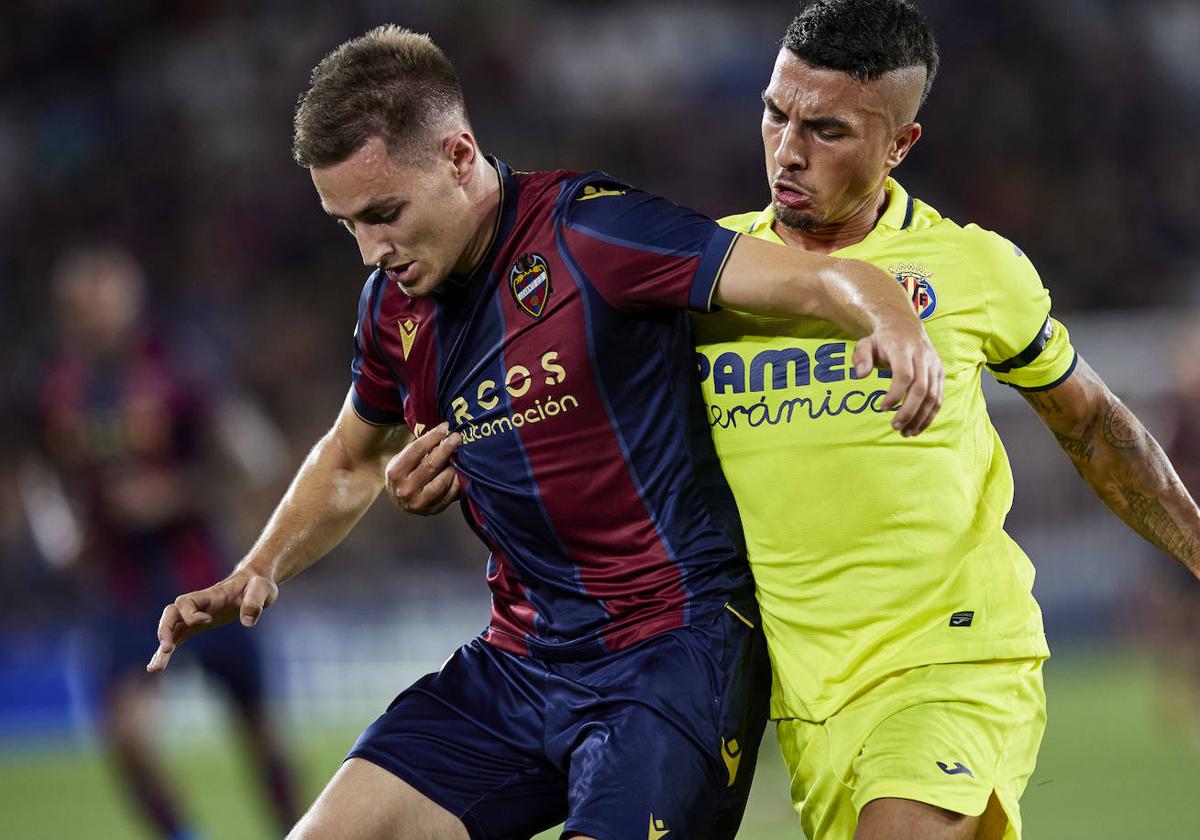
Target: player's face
829, 140
413, 220
99, 302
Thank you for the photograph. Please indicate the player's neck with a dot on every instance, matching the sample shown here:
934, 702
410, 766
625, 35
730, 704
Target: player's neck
488, 204
831, 237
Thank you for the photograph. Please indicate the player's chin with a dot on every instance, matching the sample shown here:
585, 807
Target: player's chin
421, 284
790, 217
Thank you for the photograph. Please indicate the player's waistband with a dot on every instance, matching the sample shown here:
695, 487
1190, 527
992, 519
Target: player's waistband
598, 643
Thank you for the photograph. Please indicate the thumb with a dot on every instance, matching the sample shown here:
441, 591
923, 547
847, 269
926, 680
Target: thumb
864, 357
255, 599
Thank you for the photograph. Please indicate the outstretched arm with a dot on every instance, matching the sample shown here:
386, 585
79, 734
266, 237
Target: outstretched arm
335, 485
1122, 462
857, 297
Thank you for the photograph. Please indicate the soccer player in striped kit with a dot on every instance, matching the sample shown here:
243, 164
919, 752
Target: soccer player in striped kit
540, 318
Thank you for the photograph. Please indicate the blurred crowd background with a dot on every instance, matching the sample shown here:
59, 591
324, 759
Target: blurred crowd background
164, 129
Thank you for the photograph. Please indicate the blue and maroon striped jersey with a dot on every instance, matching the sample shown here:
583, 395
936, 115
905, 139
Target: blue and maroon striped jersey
110, 426
566, 361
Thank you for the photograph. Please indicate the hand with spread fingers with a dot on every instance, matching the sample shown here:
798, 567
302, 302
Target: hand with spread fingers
243, 595
420, 478
918, 376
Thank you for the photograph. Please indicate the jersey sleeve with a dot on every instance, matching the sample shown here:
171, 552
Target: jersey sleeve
376, 392
1027, 347
638, 250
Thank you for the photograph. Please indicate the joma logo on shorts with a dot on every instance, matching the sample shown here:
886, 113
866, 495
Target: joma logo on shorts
958, 768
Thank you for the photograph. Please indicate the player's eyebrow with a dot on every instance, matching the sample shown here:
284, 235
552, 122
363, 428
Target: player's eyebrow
770, 103
812, 123
371, 208
823, 123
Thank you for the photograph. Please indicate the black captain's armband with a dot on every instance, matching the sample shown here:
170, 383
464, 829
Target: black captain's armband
1030, 353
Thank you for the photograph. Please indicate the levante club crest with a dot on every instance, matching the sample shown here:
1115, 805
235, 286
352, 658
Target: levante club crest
529, 280
915, 281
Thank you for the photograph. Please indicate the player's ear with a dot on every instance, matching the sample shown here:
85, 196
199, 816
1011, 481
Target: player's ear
903, 140
461, 150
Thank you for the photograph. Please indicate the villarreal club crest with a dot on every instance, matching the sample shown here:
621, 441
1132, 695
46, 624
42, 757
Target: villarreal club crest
915, 281
529, 281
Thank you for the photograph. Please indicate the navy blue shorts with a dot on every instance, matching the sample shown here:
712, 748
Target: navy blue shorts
659, 737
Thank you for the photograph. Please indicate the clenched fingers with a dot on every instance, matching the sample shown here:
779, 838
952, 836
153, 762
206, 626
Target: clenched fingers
420, 478
918, 378
933, 401
412, 457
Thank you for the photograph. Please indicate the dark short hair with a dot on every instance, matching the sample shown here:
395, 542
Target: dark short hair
864, 38
390, 83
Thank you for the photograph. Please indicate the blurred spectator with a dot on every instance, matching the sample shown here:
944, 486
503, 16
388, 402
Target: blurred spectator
1172, 608
117, 493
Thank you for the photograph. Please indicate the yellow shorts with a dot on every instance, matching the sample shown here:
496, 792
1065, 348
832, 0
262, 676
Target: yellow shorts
947, 735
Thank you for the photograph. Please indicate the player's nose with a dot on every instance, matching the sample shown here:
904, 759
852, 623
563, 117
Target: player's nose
790, 152
374, 249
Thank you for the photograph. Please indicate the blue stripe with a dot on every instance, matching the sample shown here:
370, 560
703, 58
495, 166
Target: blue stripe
1054, 384
908, 214
702, 295
633, 246
501, 481
588, 295
534, 490
372, 415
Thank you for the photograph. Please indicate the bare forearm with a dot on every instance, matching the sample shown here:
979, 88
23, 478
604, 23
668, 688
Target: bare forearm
1132, 475
328, 496
857, 297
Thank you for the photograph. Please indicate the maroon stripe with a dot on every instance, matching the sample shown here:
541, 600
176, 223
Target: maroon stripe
581, 473
418, 367
513, 616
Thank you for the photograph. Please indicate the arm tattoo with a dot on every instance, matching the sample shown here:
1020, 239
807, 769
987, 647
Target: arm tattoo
396, 437
1120, 428
1043, 402
1080, 449
1156, 525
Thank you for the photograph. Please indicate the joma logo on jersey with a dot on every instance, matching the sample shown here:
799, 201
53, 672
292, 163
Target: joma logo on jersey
529, 281
915, 281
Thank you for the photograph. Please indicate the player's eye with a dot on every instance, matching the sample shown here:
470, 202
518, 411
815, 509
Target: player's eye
385, 218
829, 135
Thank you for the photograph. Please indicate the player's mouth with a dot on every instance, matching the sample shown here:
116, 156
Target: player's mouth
404, 274
790, 195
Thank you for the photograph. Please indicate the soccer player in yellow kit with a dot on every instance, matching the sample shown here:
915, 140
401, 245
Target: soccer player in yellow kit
905, 642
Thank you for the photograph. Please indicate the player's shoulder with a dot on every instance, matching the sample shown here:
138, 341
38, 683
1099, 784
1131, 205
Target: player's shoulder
988, 244
984, 250
535, 187
591, 194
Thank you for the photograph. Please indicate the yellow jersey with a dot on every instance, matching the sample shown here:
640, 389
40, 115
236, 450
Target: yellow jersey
874, 553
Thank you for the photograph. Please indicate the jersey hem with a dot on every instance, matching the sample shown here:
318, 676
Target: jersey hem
594, 647
703, 294
1024, 647
1029, 389
971, 805
371, 416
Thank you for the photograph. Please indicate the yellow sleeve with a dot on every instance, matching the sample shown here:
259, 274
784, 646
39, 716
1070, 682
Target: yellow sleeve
1027, 347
